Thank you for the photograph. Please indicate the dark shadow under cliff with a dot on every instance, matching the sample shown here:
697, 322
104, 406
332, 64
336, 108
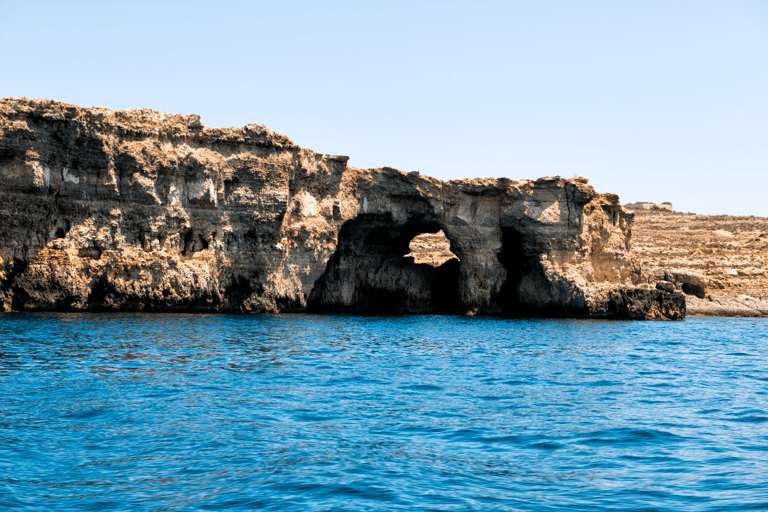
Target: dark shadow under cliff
369, 272
514, 260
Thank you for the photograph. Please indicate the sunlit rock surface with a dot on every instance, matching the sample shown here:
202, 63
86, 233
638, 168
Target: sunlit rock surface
143, 211
718, 261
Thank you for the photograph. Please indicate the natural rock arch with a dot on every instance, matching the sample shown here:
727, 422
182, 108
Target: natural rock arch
370, 272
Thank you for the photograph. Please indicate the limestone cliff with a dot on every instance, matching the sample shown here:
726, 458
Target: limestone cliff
143, 211
718, 261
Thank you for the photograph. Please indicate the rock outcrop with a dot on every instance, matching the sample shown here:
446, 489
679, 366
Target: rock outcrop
644, 205
143, 211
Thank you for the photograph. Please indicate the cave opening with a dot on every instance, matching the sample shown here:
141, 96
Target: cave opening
62, 228
514, 260
374, 272
695, 290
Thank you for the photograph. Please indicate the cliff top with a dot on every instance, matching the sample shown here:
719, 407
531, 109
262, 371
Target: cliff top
140, 122
24, 115
148, 123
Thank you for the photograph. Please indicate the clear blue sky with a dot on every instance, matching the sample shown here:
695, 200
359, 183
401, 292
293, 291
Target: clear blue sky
653, 100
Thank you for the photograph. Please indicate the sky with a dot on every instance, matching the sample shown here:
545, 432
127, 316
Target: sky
652, 100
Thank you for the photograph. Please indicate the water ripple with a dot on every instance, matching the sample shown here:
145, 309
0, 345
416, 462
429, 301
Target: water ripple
301, 412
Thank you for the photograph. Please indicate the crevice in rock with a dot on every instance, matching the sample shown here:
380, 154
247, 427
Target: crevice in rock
193, 242
62, 228
8, 154
19, 295
229, 187
145, 238
514, 260
370, 273
89, 252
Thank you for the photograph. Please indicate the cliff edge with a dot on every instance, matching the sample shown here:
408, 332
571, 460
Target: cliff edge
143, 211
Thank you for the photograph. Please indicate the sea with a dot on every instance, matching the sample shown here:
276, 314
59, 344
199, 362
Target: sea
287, 412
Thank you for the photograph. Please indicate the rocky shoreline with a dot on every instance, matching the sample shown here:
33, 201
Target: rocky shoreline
143, 211
723, 258
729, 283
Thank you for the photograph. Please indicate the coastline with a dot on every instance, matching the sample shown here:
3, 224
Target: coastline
722, 307
724, 255
717, 253
142, 210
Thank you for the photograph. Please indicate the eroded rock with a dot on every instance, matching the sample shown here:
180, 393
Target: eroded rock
718, 261
143, 211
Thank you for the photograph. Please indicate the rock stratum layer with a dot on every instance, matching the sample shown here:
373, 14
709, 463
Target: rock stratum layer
143, 211
718, 260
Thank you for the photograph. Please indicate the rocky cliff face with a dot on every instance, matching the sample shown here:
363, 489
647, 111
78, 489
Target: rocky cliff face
718, 261
139, 210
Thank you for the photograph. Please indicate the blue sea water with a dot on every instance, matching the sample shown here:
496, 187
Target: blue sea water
302, 412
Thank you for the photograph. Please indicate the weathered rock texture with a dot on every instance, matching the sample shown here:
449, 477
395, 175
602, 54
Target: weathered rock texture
719, 261
139, 210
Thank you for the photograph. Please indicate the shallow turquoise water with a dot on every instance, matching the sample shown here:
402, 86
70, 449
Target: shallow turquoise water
302, 412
